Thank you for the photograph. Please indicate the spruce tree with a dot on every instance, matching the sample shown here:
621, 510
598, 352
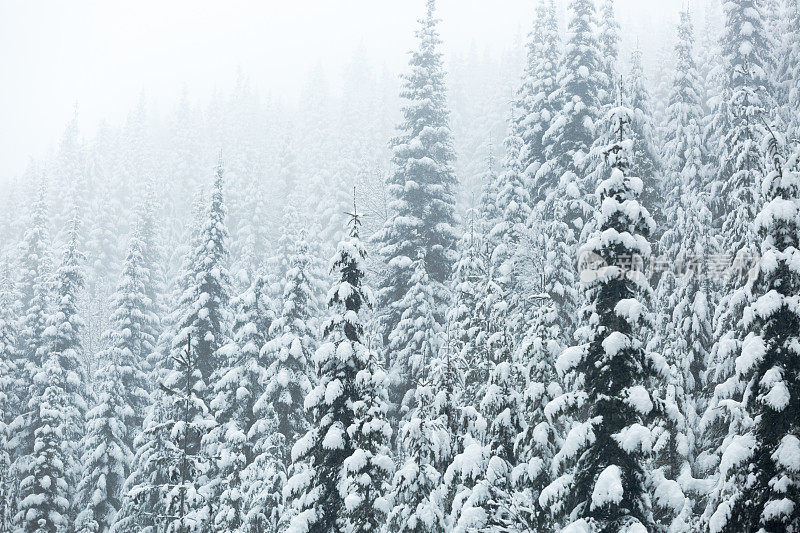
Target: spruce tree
56, 408
287, 354
418, 502
536, 106
571, 133
107, 455
540, 437
417, 338
341, 465
422, 186
12, 387
44, 488
685, 334
604, 484
164, 489
645, 161
609, 37
741, 116
242, 416
758, 483
116, 418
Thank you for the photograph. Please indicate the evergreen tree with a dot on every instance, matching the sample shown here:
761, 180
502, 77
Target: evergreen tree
107, 455
758, 482
609, 37
12, 386
540, 438
291, 345
422, 186
44, 489
341, 465
49, 471
239, 441
572, 130
741, 116
645, 161
489, 505
604, 484
685, 335
535, 102
116, 419
163, 490
417, 338
416, 491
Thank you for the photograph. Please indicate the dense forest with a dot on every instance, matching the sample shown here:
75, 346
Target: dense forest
556, 290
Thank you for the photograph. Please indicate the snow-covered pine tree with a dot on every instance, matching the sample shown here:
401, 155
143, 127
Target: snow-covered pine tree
116, 418
342, 464
535, 106
685, 335
506, 234
758, 486
44, 487
541, 435
741, 116
603, 484
243, 436
293, 338
463, 320
34, 294
572, 130
162, 491
416, 339
107, 455
12, 386
62, 339
609, 37
56, 406
418, 502
788, 69
422, 186
645, 161
489, 505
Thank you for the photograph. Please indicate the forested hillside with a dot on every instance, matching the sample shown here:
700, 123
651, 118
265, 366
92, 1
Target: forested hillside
553, 290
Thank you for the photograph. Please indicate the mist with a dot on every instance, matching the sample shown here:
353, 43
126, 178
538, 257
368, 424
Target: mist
400, 266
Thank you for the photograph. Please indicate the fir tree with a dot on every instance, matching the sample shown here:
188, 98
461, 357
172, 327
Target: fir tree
291, 345
341, 465
741, 117
572, 130
540, 437
417, 337
535, 102
422, 186
609, 37
416, 492
239, 440
107, 455
162, 490
645, 161
12, 387
44, 490
758, 482
604, 485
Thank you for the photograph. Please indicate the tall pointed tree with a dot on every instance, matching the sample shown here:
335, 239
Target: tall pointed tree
341, 465
758, 487
164, 490
740, 118
572, 131
116, 418
423, 184
604, 484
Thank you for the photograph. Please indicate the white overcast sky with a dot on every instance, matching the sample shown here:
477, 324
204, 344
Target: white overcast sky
102, 53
